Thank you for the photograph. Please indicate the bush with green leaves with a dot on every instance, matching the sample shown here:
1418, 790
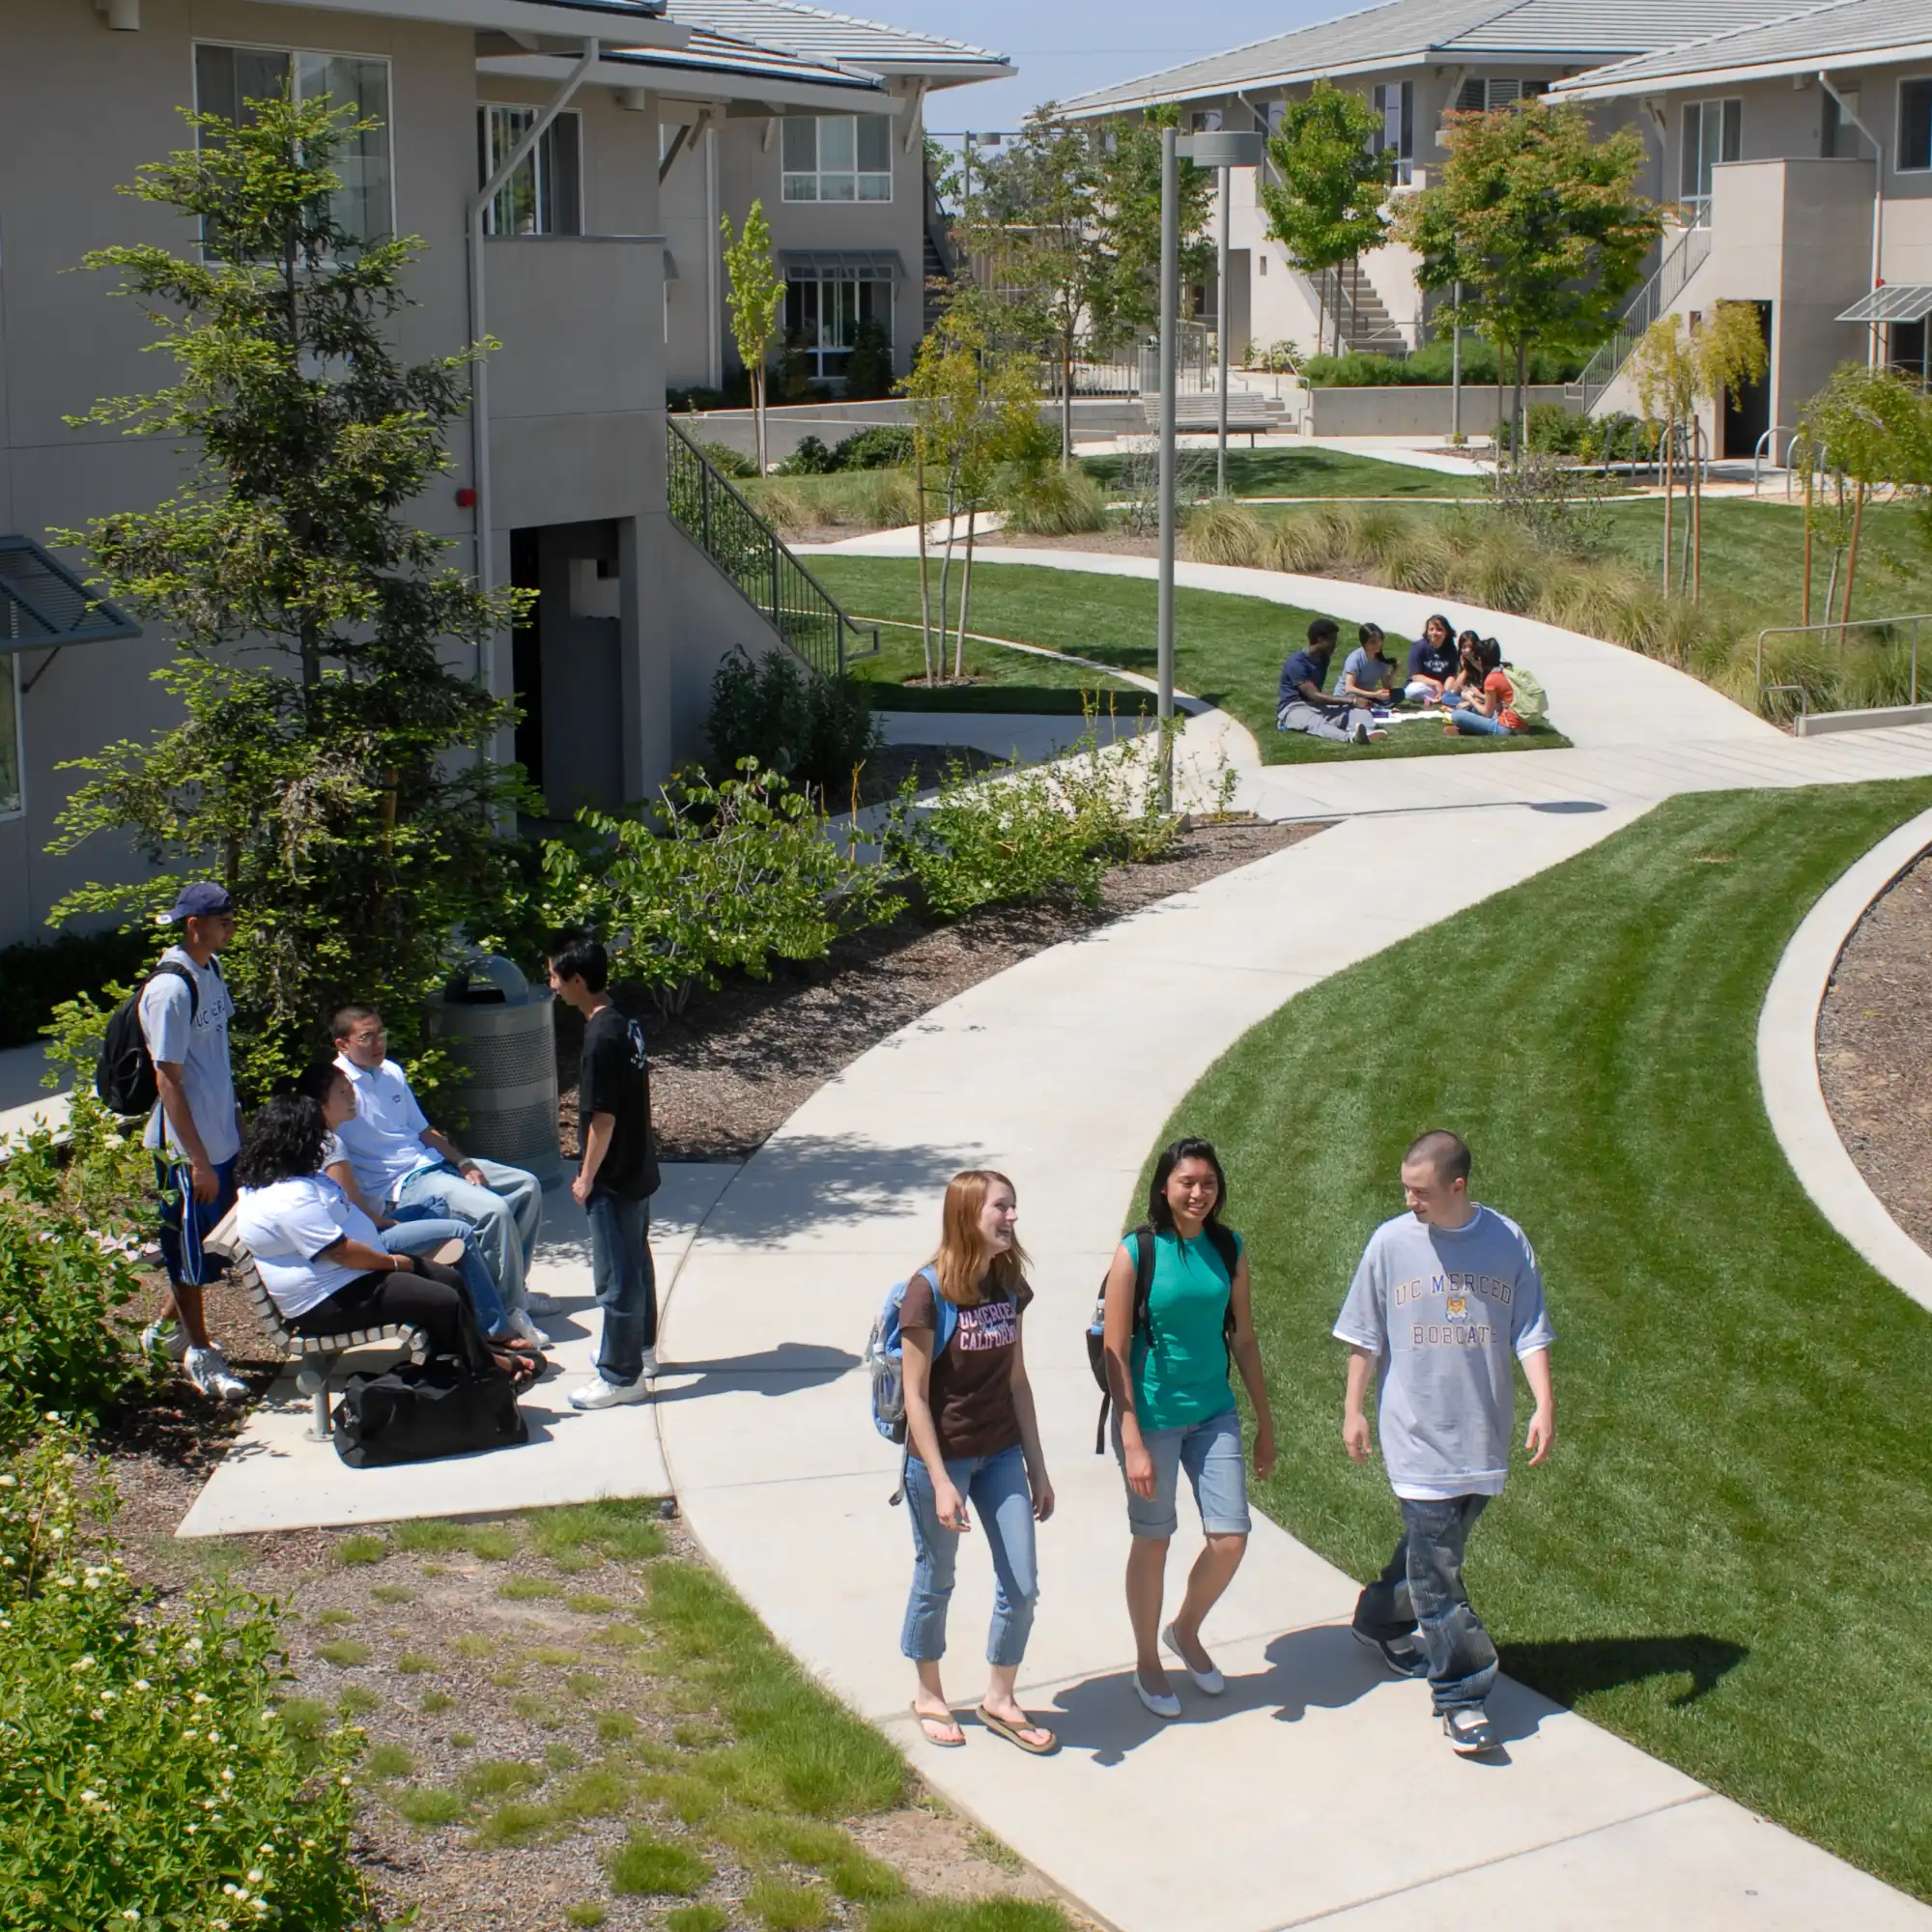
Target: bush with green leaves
1432, 363
733, 462
716, 878
868, 370
813, 731
150, 1779
880, 446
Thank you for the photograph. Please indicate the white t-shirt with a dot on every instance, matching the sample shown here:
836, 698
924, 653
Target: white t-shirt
286, 1225
199, 1047
383, 1139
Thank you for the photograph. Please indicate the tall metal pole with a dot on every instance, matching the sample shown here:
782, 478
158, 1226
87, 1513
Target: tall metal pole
1456, 372
1170, 301
1221, 333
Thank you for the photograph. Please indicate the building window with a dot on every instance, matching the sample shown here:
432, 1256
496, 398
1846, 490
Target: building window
824, 310
1482, 95
226, 79
12, 792
545, 196
1395, 102
1713, 133
1839, 139
1205, 121
838, 158
1915, 126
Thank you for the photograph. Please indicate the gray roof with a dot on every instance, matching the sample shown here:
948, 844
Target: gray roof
815, 34
1842, 32
707, 52
1404, 32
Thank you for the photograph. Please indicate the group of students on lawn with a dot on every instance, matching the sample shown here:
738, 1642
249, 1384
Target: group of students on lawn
343, 1192
1464, 678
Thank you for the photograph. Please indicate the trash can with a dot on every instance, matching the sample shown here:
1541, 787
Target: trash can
502, 1036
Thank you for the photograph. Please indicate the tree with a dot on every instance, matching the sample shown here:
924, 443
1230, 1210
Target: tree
1666, 374
343, 806
1125, 296
756, 296
1543, 227
1326, 204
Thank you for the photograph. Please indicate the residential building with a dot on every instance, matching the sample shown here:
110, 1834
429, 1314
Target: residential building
1797, 158
1415, 61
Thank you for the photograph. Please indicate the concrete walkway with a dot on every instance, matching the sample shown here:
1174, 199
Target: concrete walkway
24, 1103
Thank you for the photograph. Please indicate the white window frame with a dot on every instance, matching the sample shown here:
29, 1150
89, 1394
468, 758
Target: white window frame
293, 56
818, 349
1696, 205
818, 172
533, 161
1898, 164
18, 711
1399, 111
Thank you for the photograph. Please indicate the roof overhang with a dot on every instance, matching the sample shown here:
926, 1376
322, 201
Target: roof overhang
854, 263
528, 20
690, 75
1895, 301
44, 606
1604, 86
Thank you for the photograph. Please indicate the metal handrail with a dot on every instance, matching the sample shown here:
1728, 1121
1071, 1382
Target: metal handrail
1757, 454
1688, 254
719, 519
1916, 619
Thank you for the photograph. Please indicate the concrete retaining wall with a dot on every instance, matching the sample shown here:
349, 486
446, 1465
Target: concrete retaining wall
1419, 410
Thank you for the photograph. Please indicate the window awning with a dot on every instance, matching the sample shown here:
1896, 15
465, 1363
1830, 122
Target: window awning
859, 265
45, 606
1896, 301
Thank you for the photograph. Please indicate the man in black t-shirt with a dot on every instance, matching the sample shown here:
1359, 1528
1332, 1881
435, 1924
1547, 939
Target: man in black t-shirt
617, 1175
1304, 703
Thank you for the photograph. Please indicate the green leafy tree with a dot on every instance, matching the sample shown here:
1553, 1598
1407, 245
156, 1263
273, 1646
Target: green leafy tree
326, 765
1127, 295
1543, 227
757, 299
1325, 206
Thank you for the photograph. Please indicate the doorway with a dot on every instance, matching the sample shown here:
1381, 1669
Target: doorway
1747, 410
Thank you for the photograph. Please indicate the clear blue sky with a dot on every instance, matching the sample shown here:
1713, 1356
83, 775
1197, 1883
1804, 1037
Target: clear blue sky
1063, 47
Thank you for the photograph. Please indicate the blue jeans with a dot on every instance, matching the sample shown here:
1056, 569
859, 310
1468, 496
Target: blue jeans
185, 1222
1422, 1589
1477, 726
1000, 1501
626, 1281
506, 1214
422, 1231
1211, 1452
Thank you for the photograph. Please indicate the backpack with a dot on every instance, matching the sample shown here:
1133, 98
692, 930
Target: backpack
1531, 702
1144, 1258
124, 1074
885, 1357
412, 1414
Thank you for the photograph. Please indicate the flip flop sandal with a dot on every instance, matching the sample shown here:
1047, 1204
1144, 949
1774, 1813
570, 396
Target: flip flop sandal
1016, 1734
926, 1723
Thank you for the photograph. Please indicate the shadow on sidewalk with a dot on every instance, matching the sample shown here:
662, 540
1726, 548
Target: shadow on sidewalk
1574, 1668
1322, 1668
832, 1180
785, 1370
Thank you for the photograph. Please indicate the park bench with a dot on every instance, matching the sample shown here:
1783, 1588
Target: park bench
315, 1355
1248, 412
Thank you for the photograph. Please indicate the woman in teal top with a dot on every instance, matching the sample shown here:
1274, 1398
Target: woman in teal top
1174, 1407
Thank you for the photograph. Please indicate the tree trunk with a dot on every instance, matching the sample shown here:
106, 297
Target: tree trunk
1067, 401
965, 594
1696, 510
758, 413
1517, 425
1852, 560
945, 565
1666, 447
1804, 612
1320, 313
925, 584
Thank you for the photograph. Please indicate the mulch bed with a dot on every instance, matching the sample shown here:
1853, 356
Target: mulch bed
1875, 1049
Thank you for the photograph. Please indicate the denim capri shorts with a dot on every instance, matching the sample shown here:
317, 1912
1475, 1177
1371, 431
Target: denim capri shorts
1211, 1452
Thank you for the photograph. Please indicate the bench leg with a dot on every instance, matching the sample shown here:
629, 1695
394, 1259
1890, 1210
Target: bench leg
312, 1380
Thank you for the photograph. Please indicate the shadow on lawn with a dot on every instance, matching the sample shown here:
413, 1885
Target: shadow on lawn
1577, 1667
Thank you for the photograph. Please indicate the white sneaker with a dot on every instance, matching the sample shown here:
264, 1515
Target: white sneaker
209, 1371
518, 1324
597, 1393
169, 1336
543, 1304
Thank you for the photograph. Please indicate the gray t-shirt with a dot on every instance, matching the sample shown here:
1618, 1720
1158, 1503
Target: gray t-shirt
1445, 1308
199, 1047
1369, 673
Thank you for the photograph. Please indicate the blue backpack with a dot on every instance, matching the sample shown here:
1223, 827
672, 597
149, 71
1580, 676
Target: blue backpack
885, 1357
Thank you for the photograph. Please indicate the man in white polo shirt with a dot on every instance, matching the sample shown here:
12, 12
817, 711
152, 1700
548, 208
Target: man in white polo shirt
401, 1161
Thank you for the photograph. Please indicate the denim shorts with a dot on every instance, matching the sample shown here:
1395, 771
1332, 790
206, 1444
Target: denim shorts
1211, 1452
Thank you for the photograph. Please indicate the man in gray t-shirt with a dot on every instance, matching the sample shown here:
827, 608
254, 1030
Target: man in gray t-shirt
1447, 1298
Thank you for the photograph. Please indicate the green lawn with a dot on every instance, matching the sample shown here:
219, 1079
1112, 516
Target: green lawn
1725, 1562
1226, 649
1016, 680
1314, 472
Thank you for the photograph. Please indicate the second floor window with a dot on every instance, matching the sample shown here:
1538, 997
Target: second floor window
1395, 102
226, 79
1713, 133
838, 158
545, 196
1915, 125
1481, 95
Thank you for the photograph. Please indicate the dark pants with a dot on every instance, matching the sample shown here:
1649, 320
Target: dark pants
1422, 1590
626, 1281
185, 1222
432, 1300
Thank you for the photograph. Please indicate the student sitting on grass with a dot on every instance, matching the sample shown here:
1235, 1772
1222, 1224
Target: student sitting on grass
1366, 673
1463, 688
1304, 703
1432, 661
1490, 709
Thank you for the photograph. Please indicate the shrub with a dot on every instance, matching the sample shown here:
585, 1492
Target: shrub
810, 458
1223, 532
881, 446
868, 371
149, 1779
732, 462
1049, 500
811, 729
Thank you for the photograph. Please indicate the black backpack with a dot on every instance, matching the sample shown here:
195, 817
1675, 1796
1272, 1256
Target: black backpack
1225, 1246
124, 1075
412, 1414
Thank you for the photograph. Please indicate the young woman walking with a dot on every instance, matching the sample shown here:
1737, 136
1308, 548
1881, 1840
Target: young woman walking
1167, 1367
973, 1444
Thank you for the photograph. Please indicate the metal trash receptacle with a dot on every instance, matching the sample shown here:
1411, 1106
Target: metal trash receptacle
502, 1034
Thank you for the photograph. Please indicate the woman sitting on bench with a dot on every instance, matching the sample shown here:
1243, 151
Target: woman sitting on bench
321, 1259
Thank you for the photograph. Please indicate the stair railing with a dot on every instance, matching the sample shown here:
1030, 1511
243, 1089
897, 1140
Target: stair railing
1686, 256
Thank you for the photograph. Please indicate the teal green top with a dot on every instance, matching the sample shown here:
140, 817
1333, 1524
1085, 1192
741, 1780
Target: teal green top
1180, 1374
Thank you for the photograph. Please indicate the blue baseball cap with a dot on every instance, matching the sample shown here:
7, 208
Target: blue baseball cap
198, 901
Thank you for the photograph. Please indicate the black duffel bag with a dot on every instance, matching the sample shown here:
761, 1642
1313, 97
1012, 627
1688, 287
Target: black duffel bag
412, 1414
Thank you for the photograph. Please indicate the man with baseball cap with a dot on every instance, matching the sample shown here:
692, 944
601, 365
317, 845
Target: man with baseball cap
195, 1130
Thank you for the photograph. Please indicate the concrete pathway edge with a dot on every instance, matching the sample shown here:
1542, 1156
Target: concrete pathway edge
1787, 1066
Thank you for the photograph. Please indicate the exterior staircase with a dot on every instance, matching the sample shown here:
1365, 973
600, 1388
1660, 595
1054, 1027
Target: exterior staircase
939, 259
1366, 327
1682, 258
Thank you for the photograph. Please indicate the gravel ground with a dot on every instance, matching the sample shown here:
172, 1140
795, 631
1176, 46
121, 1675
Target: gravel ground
1875, 1049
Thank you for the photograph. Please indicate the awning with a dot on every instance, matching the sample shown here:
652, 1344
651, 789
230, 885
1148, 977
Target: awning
1896, 301
856, 264
45, 606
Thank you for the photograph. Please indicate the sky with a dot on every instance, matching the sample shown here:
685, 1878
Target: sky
1062, 47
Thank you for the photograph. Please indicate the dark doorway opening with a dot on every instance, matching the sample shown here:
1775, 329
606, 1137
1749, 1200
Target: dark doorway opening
1906, 349
1747, 410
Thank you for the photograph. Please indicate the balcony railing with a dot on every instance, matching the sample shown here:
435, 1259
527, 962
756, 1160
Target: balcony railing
717, 519
1685, 257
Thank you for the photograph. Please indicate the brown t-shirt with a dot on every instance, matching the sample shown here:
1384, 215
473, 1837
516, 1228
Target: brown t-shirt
971, 1391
